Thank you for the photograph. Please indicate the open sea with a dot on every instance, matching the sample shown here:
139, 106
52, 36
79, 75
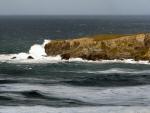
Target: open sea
52, 85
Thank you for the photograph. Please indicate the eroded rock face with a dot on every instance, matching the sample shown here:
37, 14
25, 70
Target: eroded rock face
102, 47
147, 40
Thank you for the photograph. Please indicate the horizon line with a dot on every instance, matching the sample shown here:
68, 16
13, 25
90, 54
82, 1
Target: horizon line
74, 14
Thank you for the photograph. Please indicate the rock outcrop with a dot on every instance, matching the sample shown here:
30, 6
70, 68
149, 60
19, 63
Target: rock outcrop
136, 46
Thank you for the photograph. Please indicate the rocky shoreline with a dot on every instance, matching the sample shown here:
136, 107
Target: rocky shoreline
102, 47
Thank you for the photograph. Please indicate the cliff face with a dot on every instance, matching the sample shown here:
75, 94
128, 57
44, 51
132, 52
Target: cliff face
102, 47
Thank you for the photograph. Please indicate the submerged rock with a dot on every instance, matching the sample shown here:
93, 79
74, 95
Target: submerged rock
108, 47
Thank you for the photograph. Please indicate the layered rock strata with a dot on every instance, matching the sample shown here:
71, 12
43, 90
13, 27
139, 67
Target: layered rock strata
108, 47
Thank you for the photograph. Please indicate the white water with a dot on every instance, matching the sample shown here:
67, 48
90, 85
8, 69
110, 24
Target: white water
37, 52
44, 109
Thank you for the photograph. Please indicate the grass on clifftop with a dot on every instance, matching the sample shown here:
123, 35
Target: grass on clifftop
99, 37
107, 37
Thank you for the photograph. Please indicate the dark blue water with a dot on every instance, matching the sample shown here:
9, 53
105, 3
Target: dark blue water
57, 86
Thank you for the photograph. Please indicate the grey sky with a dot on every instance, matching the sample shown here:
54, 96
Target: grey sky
79, 7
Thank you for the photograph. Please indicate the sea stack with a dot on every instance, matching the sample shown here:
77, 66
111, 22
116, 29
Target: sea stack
102, 47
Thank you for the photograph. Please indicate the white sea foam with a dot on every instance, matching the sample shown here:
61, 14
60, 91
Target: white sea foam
129, 61
42, 58
21, 56
104, 109
37, 52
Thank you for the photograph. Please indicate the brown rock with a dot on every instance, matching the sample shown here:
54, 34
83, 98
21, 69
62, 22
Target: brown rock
99, 47
147, 40
65, 56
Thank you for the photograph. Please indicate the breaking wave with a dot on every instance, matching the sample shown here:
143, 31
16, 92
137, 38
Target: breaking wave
36, 54
93, 96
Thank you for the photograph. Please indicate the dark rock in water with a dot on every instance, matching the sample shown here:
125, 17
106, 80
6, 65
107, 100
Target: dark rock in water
30, 57
65, 56
121, 59
14, 57
108, 47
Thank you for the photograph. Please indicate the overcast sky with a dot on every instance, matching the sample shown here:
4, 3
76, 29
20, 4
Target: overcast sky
74, 7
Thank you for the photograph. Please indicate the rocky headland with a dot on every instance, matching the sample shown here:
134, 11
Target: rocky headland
102, 47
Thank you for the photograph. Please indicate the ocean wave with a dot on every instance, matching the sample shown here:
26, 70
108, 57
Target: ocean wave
34, 97
128, 96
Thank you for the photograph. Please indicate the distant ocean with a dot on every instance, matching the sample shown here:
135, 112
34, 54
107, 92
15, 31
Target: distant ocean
52, 85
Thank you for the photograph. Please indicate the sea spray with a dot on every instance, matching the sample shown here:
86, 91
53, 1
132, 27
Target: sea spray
36, 51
